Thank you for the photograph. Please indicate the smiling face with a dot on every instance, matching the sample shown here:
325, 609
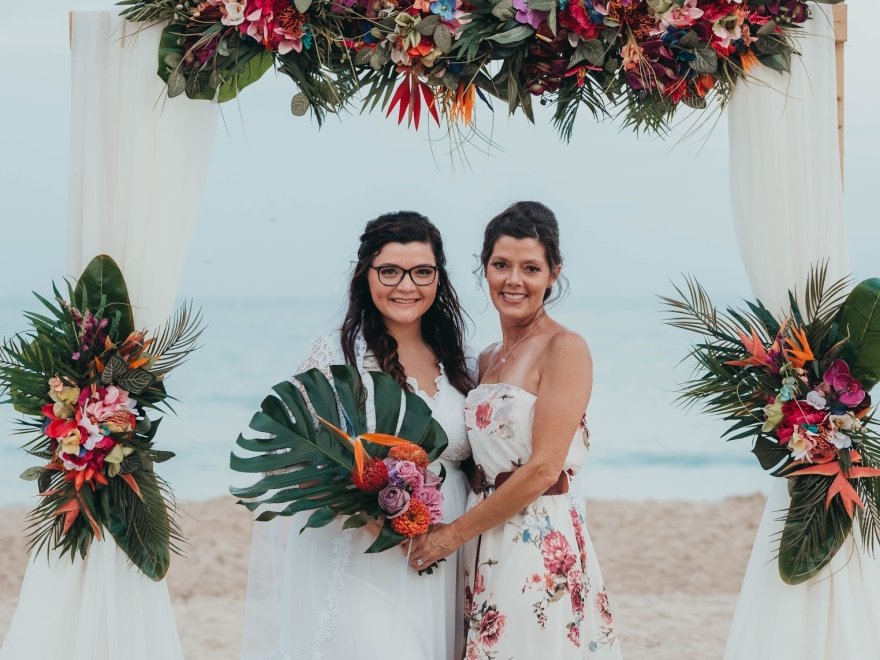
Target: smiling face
405, 303
518, 277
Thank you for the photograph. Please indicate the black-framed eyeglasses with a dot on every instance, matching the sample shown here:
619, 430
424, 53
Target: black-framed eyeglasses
391, 275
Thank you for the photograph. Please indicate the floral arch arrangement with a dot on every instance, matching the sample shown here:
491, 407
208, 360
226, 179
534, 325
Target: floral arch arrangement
642, 59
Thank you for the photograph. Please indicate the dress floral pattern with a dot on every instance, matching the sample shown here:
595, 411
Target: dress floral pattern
533, 587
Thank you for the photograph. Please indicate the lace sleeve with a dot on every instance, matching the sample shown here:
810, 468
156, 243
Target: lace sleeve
472, 363
325, 351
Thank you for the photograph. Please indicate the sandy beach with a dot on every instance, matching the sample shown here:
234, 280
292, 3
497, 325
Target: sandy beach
673, 570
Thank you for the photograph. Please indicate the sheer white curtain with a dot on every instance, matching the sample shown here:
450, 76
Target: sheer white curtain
788, 213
137, 172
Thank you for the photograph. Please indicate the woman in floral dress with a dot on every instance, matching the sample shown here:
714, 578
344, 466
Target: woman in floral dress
533, 586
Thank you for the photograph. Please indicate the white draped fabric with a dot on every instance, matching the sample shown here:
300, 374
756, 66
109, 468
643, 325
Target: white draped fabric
137, 171
788, 213
785, 186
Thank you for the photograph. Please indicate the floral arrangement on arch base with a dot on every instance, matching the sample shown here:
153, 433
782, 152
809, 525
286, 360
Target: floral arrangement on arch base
643, 59
799, 386
310, 464
85, 378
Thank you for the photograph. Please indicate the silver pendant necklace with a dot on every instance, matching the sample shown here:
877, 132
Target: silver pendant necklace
519, 341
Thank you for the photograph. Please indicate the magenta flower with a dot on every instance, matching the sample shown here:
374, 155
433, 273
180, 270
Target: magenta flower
849, 389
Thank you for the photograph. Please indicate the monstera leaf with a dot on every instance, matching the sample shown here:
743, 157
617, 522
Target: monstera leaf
860, 316
316, 464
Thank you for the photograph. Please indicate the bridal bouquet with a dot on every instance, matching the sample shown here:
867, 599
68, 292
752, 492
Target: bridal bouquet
311, 464
799, 386
642, 58
84, 378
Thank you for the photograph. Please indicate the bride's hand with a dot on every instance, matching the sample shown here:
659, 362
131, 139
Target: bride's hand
439, 542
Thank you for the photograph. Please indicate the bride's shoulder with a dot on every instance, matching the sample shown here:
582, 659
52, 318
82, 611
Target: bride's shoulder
325, 350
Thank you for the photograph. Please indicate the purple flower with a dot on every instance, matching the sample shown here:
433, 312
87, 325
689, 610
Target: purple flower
527, 16
433, 499
411, 474
394, 501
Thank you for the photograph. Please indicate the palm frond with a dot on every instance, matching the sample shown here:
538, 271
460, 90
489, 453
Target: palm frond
176, 340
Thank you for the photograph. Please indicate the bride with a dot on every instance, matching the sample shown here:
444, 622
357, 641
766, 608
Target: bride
317, 594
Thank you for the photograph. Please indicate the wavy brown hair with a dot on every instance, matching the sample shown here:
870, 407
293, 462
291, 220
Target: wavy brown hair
443, 323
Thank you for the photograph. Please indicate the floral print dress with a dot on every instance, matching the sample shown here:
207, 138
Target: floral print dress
533, 588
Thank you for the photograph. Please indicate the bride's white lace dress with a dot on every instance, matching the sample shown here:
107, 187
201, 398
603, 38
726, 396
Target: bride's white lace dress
316, 594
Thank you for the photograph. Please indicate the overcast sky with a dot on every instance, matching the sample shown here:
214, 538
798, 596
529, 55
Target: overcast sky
285, 202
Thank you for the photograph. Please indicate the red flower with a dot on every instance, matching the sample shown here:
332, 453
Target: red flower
483, 415
558, 557
374, 479
491, 627
799, 412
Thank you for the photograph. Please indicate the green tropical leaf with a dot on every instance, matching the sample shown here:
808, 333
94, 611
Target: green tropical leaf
860, 316
813, 533
102, 282
308, 468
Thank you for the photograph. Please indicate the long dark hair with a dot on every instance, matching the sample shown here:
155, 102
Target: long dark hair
442, 324
528, 220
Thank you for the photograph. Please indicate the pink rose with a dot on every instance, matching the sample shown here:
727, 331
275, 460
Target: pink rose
491, 627
410, 474
433, 499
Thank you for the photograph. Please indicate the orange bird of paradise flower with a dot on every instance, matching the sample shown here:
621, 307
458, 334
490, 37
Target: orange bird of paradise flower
797, 348
357, 445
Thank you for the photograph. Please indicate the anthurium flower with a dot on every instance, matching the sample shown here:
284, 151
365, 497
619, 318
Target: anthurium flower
55, 426
114, 459
61, 393
70, 443
774, 415
233, 13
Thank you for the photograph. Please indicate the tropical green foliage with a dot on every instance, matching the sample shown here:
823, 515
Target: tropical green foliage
758, 373
307, 467
98, 452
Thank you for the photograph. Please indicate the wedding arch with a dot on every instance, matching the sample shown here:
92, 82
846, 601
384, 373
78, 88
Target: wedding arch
571, 54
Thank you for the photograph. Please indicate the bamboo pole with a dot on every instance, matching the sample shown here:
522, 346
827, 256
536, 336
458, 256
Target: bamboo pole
840, 35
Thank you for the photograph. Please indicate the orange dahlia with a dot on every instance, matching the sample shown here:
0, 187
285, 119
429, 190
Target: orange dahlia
410, 452
415, 521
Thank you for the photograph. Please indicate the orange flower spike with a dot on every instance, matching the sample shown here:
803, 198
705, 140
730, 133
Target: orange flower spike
755, 347
357, 447
108, 344
79, 479
70, 511
101, 479
138, 363
749, 61
99, 365
130, 480
797, 348
384, 439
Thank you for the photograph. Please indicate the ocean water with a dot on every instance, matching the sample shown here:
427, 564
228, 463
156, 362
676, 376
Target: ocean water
644, 445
